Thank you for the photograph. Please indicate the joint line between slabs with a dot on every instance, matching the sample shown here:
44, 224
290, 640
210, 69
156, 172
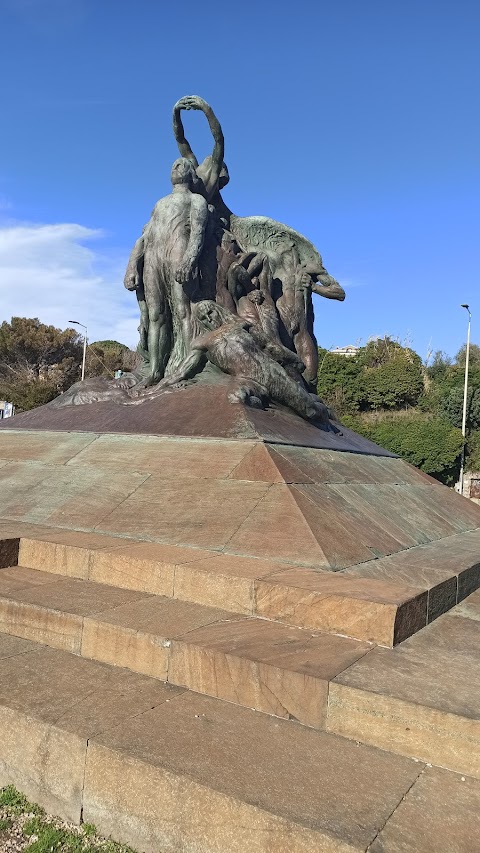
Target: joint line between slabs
402, 799
95, 438
247, 517
115, 508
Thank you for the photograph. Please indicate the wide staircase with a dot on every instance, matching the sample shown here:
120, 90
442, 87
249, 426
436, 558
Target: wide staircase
189, 700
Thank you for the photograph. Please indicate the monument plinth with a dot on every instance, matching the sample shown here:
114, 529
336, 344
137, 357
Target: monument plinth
228, 623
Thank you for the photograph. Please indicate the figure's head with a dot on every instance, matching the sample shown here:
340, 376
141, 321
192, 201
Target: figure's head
256, 296
210, 315
183, 172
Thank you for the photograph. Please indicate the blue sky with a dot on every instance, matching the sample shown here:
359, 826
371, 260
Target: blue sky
357, 123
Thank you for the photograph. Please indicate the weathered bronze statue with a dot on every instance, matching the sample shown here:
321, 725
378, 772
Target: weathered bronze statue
255, 362
219, 295
292, 257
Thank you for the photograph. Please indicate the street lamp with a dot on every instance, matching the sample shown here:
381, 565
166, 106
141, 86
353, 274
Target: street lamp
465, 391
76, 323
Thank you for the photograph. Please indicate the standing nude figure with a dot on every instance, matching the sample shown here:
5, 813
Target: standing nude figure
164, 261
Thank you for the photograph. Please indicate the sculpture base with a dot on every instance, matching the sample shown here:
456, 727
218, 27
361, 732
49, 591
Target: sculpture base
180, 595
195, 411
362, 539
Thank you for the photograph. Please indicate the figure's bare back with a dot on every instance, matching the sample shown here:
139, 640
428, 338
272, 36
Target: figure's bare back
168, 231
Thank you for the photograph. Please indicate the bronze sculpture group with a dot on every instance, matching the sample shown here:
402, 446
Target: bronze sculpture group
231, 294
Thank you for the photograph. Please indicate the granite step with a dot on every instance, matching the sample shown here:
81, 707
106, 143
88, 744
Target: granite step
275, 668
421, 698
161, 768
382, 601
371, 609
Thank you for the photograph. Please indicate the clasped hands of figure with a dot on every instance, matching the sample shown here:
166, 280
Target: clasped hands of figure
191, 102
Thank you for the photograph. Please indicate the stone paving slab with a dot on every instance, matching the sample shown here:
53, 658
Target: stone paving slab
185, 511
193, 574
223, 581
439, 813
43, 446
455, 557
373, 610
263, 665
469, 608
164, 769
138, 635
52, 613
199, 774
146, 566
383, 600
164, 457
18, 577
51, 703
252, 498
54, 495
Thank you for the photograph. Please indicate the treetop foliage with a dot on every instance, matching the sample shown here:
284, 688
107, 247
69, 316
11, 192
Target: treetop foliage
38, 362
35, 345
109, 345
415, 410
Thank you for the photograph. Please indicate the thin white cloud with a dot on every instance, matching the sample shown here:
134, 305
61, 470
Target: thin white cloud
59, 273
348, 283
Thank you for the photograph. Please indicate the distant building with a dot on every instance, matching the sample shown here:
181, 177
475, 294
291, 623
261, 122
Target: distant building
471, 486
348, 351
7, 410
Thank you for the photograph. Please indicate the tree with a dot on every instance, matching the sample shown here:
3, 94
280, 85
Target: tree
26, 393
37, 347
395, 384
437, 369
37, 362
105, 357
429, 443
474, 355
451, 406
338, 381
380, 351
473, 451
383, 375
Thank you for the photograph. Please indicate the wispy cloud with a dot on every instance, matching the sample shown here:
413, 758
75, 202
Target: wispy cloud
348, 283
58, 272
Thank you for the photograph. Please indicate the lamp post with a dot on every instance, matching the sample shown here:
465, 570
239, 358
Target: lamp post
76, 323
465, 392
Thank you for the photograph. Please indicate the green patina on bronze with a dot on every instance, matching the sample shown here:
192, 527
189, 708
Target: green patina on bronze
221, 297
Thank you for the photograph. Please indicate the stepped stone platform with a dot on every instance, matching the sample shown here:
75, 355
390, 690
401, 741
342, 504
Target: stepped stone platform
234, 644
177, 726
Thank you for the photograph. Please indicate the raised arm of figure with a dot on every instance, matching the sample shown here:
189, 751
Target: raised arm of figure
179, 132
193, 102
329, 288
